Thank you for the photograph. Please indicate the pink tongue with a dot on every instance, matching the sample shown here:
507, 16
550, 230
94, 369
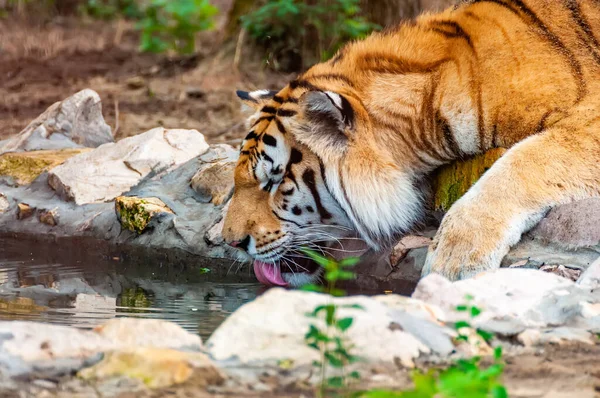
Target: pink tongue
268, 274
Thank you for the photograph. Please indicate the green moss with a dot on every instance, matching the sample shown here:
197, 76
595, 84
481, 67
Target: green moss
25, 167
135, 213
453, 180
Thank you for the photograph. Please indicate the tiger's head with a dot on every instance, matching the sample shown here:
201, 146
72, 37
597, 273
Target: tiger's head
305, 177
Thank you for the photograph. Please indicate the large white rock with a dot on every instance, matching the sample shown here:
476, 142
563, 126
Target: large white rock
74, 122
112, 169
272, 328
513, 300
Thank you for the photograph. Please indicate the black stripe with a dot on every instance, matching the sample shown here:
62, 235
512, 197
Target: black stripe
251, 136
288, 192
294, 84
286, 220
278, 99
280, 126
262, 118
266, 157
583, 24
458, 31
309, 179
268, 109
451, 143
269, 140
286, 112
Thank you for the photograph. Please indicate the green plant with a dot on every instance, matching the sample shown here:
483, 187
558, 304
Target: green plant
173, 24
300, 33
334, 347
467, 378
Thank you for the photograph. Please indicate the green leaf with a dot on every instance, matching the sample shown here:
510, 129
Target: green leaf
204, 270
333, 360
344, 323
475, 311
335, 382
354, 375
337, 292
487, 336
462, 324
498, 352
313, 288
349, 261
469, 297
499, 391
317, 258
462, 308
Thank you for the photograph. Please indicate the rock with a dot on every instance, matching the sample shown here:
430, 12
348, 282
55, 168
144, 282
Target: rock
450, 182
112, 169
571, 226
214, 235
27, 347
22, 168
74, 122
512, 300
49, 217
135, 82
561, 270
591, 277
560, 335
215, 183
256, 335
195, 93
4, 204
135, 213
156, 367
148, 333
24, 211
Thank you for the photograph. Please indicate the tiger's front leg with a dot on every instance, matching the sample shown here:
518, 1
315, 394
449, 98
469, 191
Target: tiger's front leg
557, 166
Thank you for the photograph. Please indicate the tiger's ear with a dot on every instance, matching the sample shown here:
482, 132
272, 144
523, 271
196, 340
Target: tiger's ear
255, 99
328, 122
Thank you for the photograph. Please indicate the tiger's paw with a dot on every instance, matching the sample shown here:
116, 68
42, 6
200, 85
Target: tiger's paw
468, 242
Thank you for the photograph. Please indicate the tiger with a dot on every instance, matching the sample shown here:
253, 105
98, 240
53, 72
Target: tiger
347, 148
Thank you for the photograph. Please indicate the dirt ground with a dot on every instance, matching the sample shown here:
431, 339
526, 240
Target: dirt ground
44, 63
570, 371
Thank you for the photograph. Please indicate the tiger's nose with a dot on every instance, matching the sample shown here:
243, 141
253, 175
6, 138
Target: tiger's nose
241, 244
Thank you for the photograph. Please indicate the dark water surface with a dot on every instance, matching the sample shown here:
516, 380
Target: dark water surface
83, 284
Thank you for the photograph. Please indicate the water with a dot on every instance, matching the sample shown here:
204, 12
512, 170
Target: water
84, 284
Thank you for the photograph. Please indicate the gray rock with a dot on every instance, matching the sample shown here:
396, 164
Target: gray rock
571, 226
43, 350
213, 182
74, 122
591, 277
112, 169
4, 204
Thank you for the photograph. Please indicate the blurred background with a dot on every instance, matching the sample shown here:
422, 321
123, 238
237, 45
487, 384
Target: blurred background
172, 63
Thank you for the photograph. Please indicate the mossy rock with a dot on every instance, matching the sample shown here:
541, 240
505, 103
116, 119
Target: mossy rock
135, 213
24, 167
450, 182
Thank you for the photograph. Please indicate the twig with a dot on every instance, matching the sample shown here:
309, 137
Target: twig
116, 117
238, 48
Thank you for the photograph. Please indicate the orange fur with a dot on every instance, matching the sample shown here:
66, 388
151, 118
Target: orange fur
487, 74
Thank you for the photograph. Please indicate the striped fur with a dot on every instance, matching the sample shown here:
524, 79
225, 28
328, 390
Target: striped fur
384, 112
